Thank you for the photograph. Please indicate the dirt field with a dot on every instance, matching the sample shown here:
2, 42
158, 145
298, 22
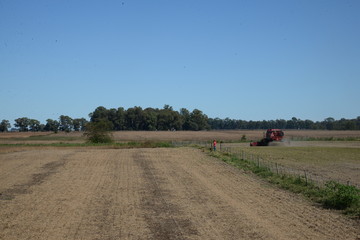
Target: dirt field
81, 193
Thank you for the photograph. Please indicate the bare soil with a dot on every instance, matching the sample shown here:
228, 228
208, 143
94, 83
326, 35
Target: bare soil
150, 194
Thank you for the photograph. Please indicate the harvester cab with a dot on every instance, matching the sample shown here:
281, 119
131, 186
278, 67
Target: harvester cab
270, 135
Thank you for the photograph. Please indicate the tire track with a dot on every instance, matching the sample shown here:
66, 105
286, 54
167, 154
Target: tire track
47, 170
213, 217
22, 209
164, 218
112, 209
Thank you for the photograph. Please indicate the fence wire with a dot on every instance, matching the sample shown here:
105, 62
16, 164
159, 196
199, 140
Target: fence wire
280, 169
274, 167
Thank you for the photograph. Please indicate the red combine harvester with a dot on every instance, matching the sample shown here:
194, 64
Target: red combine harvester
271, 135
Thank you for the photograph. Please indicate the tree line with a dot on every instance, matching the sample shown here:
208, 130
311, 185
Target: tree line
152, 119
294, 123
65, 123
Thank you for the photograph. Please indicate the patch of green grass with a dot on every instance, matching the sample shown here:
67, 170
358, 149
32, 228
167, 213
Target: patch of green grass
51, 137
146, 144
339, 196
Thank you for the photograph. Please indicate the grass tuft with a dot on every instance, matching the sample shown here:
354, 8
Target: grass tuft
339, 196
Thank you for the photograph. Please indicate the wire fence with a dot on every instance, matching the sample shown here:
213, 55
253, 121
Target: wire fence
274, 167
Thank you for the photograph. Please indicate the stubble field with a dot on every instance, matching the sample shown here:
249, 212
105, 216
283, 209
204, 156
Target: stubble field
49, 192
123, 136
321, 160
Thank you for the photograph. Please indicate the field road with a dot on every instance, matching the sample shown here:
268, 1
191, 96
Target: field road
170, 193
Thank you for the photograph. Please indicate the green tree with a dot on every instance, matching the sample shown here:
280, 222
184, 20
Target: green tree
112, 117
150, 119
134, 118
185, 116
168, 119
215, 123
119, 121
79, 124
100, 114
34, 125
66, 123
4, 125
280, 123
52, 125
177, 121
198, 120
22, 124
329, 123
99, 132
293, 123
308, 124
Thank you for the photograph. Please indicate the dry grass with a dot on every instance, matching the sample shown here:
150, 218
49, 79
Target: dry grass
123, 136
308, 134
8, 135
325, 162
231, 135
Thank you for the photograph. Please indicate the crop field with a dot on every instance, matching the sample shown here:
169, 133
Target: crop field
87, 192
224, 135
323, 161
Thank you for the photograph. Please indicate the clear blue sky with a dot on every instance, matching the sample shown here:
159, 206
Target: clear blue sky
250, 60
